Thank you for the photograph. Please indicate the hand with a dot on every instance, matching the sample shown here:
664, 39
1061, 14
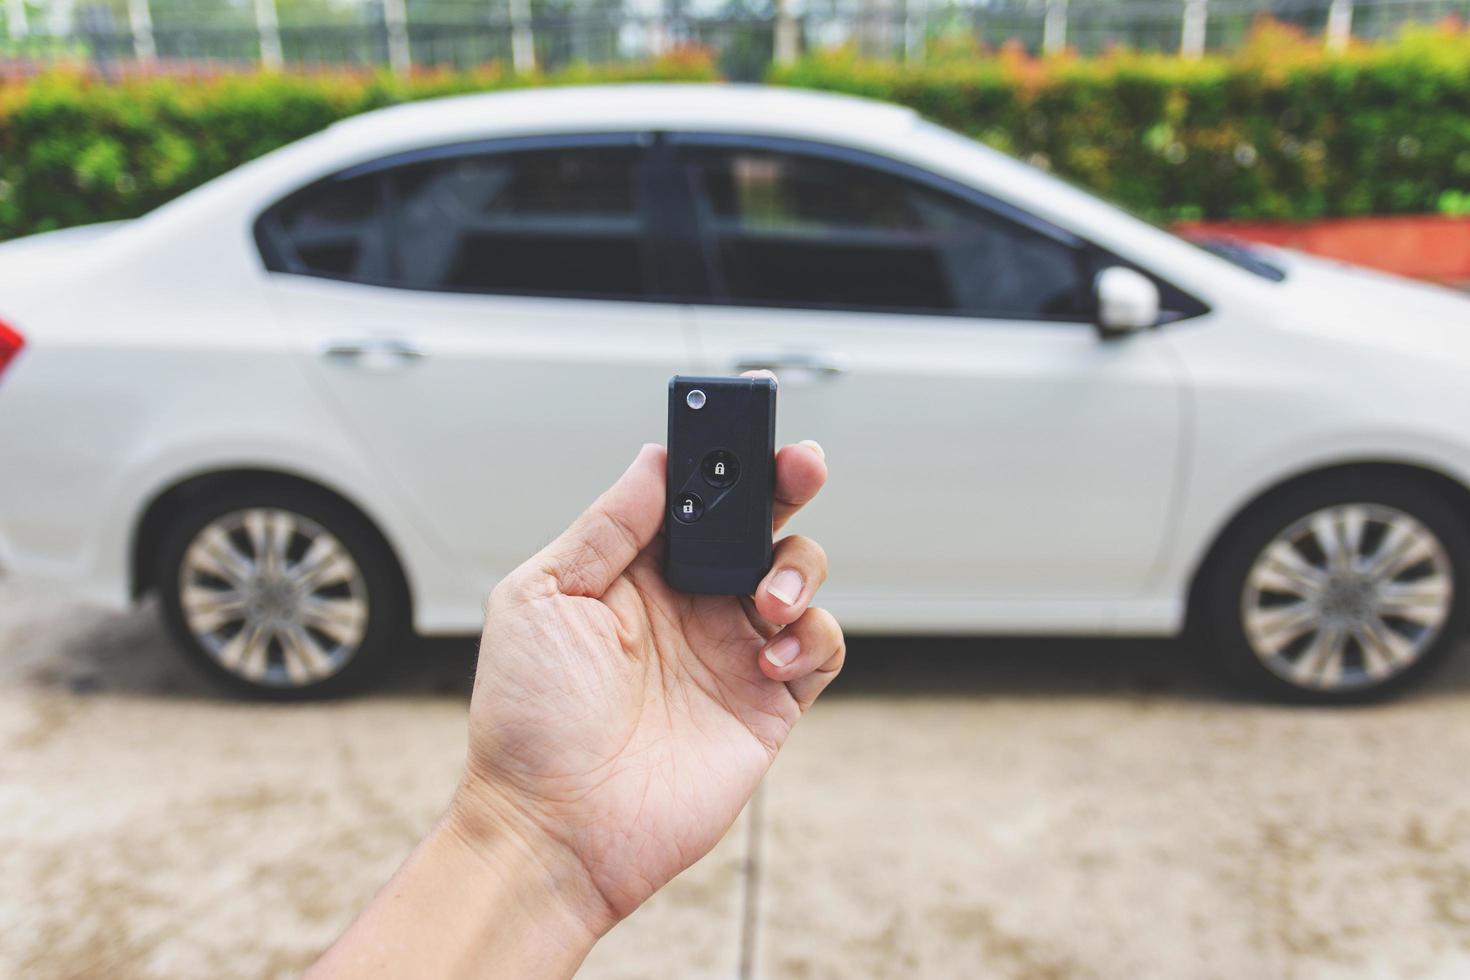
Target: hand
619, 725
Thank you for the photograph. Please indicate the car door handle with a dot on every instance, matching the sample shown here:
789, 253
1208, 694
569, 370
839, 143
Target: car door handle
793, 367
372, 352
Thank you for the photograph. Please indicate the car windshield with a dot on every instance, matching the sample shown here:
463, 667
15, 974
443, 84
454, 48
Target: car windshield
1239, 254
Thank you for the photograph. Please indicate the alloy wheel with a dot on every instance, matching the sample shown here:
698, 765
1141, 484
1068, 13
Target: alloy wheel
273, 597
1347, 597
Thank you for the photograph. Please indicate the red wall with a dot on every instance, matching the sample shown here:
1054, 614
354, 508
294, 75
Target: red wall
1426, 247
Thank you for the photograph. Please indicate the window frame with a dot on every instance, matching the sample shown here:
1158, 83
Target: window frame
653, 238
1091, 258
679, 263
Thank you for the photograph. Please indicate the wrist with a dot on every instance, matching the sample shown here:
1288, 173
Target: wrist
477, 898
550, 881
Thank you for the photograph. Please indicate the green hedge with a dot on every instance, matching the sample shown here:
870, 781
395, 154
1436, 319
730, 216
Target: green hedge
1282, 130
74, 150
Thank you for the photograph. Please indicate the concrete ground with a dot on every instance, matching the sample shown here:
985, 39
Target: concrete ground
951, 809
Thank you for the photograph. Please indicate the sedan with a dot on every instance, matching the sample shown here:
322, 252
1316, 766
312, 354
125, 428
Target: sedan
334, 395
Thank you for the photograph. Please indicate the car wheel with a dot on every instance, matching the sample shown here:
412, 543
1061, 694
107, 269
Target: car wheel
279, 592
1339, 592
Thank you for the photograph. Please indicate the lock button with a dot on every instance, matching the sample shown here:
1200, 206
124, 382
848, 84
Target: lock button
721, 469
688, 508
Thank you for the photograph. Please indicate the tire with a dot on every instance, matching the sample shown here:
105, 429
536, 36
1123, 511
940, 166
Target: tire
1393, 611
315, 617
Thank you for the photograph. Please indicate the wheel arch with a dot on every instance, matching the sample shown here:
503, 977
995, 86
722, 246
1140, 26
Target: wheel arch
166, 504
1452, 490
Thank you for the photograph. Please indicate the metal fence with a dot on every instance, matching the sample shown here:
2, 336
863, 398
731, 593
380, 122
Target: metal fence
747, 35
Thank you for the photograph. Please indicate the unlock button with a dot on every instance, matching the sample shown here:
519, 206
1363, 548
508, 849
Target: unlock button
688, 508
721, 469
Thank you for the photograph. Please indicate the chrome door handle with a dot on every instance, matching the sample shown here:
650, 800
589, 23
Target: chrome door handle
372, 352
793, 367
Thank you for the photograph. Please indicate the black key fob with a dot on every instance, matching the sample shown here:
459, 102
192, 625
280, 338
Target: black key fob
722, 477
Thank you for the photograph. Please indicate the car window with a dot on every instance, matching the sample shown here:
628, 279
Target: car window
792, 229
561, 221
335, 228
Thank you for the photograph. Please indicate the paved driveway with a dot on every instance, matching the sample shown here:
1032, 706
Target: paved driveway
951, 809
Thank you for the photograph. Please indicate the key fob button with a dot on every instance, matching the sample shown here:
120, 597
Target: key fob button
688, 508
720, 468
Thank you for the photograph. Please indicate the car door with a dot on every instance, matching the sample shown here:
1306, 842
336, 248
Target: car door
486, 321
996, 463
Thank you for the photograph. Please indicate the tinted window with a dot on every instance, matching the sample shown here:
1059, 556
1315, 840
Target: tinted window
556, 221
559, 222
335, 228
798, 230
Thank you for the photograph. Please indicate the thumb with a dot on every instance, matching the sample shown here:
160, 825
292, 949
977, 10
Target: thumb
590, 554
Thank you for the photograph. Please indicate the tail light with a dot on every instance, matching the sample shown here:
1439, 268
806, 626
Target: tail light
10, 344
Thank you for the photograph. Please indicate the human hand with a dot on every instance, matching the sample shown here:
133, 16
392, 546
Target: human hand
616, 729
617, 726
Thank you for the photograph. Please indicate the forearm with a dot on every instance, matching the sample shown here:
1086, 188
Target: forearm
472, 900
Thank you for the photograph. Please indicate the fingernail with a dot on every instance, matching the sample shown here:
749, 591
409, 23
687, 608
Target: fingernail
815, 445
786, 586
783, 651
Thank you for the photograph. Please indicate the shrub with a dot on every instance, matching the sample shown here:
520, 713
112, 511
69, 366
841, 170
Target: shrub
74, 149
1283, 129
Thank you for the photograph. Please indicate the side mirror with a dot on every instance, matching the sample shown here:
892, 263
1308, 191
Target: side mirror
1127, 300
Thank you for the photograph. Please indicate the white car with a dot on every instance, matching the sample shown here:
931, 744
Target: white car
340, 391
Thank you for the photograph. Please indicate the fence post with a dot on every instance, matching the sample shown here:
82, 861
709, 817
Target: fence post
15, 19
140, 20
867, 32
916, 29
1054, 27
1192, 34
1339, 24
59, 20
785, 41
395, 20
269, 28
522, 40
658, 29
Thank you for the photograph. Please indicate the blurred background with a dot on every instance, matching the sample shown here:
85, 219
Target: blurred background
746, 36
957, 806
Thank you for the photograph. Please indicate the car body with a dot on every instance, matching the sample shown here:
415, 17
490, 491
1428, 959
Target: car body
995, 468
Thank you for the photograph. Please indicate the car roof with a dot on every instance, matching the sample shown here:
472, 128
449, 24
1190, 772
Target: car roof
677, 106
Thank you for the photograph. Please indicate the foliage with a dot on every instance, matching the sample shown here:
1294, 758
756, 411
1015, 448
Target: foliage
1283, 129
74, 149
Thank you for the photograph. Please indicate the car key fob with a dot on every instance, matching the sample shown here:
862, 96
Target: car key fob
722, 477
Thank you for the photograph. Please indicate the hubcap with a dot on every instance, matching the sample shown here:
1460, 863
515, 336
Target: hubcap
1347, 597
273, 597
